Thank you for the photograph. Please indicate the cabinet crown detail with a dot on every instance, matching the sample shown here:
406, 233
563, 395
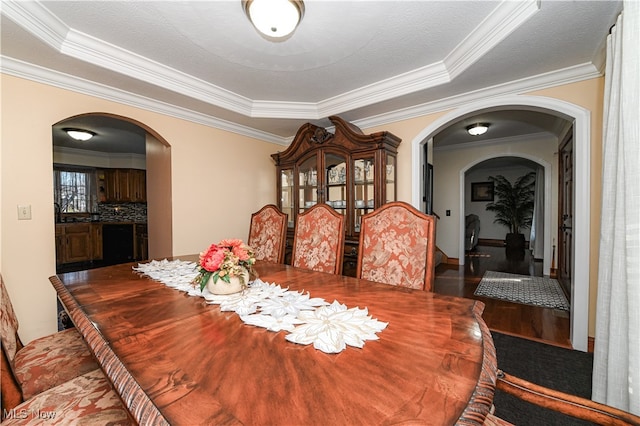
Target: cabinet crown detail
347, 136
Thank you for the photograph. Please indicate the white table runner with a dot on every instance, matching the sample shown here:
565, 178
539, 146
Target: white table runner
330, 327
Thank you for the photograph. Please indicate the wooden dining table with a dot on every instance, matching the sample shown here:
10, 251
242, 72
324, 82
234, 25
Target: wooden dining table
175, 359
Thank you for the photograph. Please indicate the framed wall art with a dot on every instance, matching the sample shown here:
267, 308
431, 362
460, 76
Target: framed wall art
482, 191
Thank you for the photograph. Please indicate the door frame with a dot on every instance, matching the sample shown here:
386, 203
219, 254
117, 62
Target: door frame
581, 118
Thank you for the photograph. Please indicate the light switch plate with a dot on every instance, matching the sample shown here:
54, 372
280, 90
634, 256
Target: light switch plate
24, 212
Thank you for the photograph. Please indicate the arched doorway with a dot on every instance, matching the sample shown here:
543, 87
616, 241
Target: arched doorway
155, 151
513, 165
581, 243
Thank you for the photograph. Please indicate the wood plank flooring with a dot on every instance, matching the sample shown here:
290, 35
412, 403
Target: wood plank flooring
542, 324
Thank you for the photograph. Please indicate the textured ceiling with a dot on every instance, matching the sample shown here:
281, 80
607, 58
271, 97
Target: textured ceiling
363, 60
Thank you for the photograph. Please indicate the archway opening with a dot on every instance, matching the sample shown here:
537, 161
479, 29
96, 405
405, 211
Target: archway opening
452, 197
119, 144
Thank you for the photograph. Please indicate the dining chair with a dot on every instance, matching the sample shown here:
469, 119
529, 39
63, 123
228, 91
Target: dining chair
42, 363
561, 402
88, 399
318, 242
397, 246
267, 234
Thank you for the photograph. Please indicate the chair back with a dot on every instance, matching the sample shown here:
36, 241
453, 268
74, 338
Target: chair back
397, 246
267, 234
8, 324
318, 242
564, 403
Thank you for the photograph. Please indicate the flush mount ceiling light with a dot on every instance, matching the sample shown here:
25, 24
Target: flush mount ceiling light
275, 20
478, 129
79, 134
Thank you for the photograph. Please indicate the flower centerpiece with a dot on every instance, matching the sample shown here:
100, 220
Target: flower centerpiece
230, 261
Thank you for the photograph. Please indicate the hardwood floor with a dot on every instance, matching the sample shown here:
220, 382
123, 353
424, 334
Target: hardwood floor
542, 324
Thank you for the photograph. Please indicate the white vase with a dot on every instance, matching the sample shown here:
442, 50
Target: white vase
235, 284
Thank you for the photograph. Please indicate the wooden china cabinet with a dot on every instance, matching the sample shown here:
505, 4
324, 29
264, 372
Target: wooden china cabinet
352, 172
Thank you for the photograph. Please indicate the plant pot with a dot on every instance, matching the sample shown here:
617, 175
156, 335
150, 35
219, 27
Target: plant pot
514, 255
515, 241
235, 284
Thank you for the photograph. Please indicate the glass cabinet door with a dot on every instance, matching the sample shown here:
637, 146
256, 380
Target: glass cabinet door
335, 193
308, 184
390, 178
363, 180
287, 195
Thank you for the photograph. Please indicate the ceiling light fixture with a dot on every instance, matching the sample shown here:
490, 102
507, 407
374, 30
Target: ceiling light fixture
79, 134
275, 20
478, 129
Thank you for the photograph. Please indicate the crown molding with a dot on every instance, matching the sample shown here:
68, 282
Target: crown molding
32, 72
38, 74
38, 20
409, 82
492, 30
63, 150
91, 154
560, 77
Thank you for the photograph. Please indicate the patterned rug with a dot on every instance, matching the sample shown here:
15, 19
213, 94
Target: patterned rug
537, 291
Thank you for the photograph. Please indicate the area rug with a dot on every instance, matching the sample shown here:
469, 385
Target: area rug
528, 290
557, 368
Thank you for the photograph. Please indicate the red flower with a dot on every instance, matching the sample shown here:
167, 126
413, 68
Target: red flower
211, 259
242, 253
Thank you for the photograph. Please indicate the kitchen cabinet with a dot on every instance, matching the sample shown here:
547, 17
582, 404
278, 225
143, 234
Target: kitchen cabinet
116, 185
352, 172
78, 242
138, 185
125, 185
73, 243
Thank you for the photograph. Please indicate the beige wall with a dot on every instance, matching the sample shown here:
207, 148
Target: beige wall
212, 199
215, 187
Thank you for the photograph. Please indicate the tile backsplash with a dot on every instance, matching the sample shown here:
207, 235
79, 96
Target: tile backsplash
123, 212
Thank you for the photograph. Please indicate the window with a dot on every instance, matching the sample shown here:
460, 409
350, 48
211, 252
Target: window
74, 190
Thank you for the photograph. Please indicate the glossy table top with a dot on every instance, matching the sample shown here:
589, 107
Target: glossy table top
176, 360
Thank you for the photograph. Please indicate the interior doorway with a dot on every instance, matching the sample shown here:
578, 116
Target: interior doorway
125, 142
452, 229
480, 225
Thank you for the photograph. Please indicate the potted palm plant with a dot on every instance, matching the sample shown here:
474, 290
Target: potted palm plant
513, 206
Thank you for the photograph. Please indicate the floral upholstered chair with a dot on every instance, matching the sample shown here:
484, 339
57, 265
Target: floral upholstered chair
267, 234
85, 400
45, 362
397, 246
318, 243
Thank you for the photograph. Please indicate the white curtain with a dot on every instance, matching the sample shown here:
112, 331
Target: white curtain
536, 238
616, 371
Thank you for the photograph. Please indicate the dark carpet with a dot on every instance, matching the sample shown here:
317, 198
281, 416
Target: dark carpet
550, 366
